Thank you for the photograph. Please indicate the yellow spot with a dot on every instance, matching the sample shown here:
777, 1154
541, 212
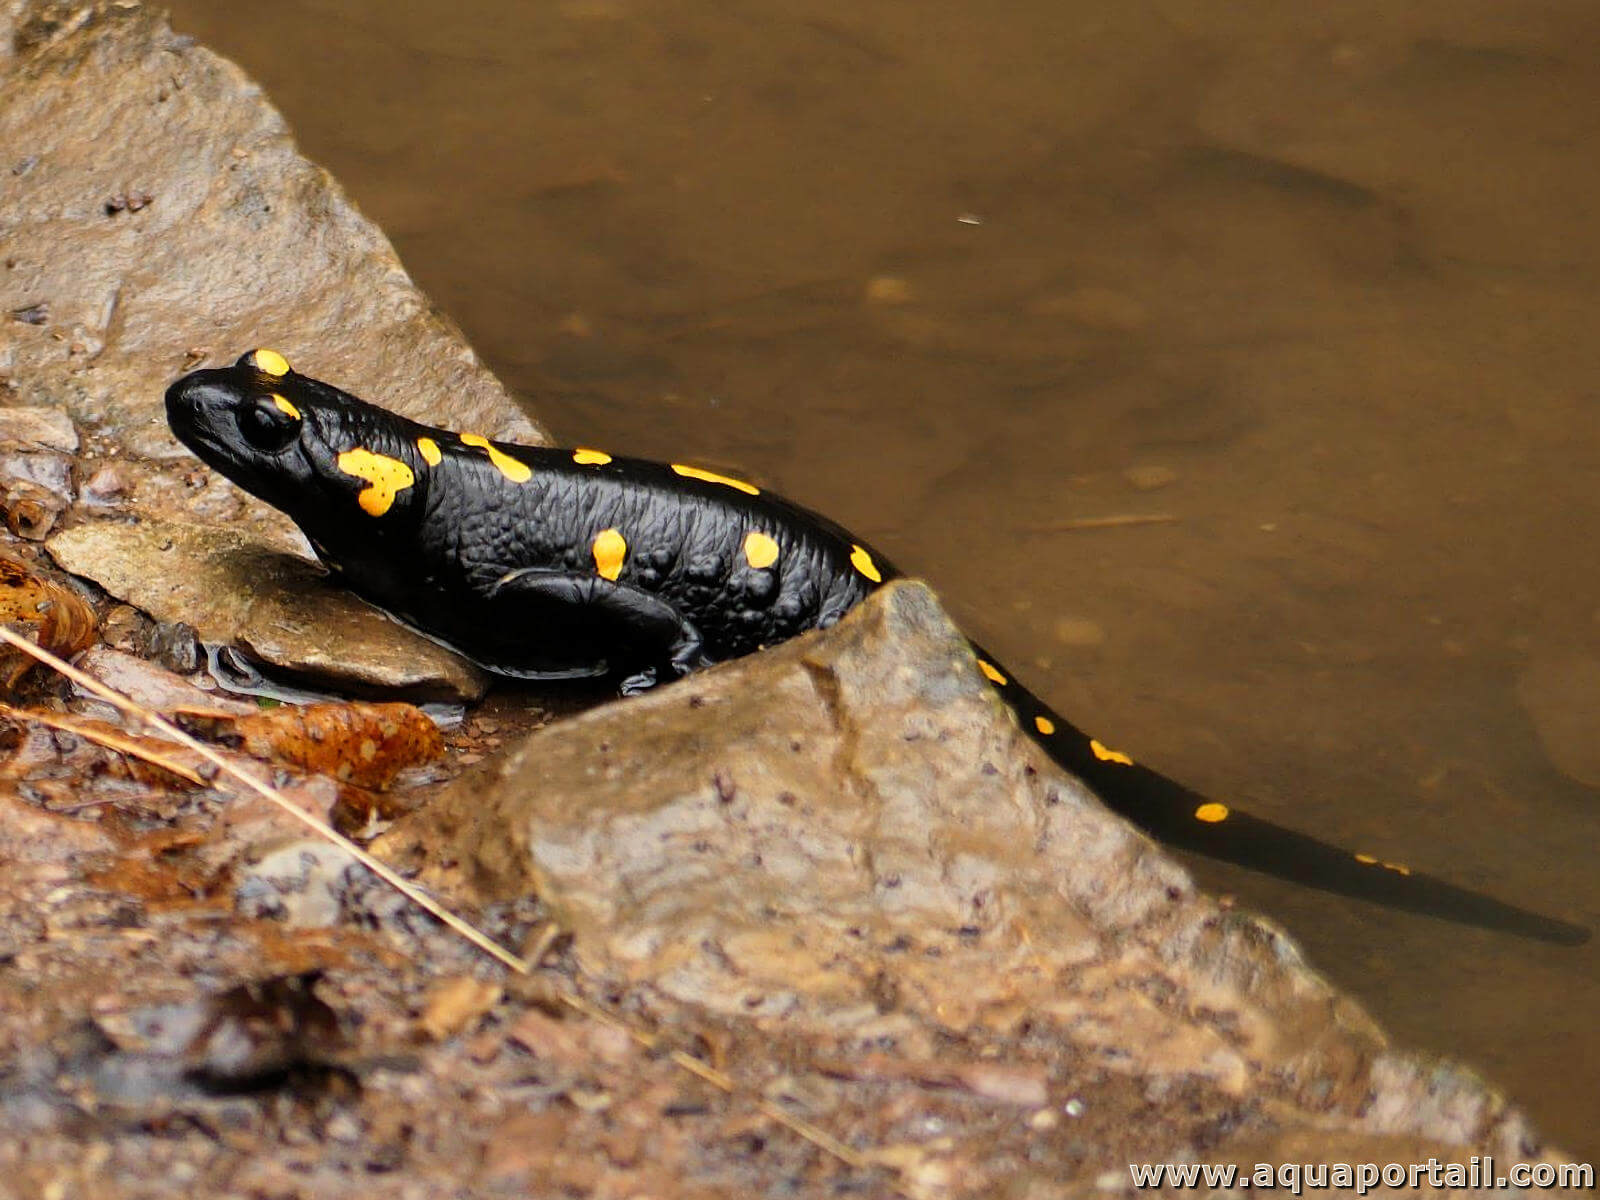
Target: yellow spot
712, 477
1211, 812
513, 470
285, 407
862, 561
1106, 755
610, 548
1399, 868
1044, 725
992, 672
386, 478
759, 550
269, 362
431, 453
590, 458
1367, 859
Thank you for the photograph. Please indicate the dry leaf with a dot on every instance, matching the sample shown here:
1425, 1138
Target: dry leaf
53, 616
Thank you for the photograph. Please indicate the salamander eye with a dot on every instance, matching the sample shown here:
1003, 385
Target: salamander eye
269, 423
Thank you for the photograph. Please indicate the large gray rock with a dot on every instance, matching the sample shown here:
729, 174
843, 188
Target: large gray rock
156, 217
848, 838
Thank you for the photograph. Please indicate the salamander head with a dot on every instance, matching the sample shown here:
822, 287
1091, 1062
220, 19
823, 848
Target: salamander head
315, 452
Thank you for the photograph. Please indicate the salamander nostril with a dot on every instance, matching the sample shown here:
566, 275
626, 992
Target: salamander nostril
182, 396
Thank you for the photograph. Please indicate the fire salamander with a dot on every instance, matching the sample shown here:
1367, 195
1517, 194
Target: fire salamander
543, 563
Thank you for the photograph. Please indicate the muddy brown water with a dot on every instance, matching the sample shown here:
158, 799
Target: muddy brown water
1314, 289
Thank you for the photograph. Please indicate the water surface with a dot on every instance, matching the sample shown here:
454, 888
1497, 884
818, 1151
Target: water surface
1315, 288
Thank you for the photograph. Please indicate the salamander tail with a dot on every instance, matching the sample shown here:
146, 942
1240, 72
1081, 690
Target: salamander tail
1179, 817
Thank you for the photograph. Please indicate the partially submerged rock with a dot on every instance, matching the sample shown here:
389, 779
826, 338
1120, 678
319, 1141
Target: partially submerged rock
848, 842
158, 218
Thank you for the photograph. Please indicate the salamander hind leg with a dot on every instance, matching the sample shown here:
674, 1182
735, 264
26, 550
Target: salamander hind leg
610, 625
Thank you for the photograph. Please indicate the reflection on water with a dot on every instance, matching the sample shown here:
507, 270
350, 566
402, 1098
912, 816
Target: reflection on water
1317, 286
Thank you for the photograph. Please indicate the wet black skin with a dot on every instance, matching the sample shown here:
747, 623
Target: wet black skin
505, 572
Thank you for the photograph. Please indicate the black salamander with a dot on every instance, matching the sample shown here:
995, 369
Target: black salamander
544, 563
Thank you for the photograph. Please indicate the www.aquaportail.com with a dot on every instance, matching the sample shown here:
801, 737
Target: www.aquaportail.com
1477, 1172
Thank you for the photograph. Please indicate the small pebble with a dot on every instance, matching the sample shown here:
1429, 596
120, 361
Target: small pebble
108, 483
176, 647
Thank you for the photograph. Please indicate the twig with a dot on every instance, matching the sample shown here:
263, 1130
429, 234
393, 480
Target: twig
109, 738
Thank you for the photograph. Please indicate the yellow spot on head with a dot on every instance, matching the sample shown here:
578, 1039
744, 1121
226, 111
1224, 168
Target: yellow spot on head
1211, 812
760, 551
1044, 725
1367, 859
993, 672
1107, 755
590, 458
862, 561
610, 549
269, 362
285, 407
517, 472
386, 478
429, 449
712, 477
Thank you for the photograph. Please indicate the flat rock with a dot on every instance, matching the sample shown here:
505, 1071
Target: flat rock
231, 587
847, 837
158, 218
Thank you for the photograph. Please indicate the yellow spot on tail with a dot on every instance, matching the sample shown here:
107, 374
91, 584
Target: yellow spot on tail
1398, 868
1044, 725
862, 561
760, 551
517, 472
1367, 859
993, 672
1105, 754
749, 489
431, 454
610, 549
269, 362
386, 478
285, 407
1211, 812
590, 458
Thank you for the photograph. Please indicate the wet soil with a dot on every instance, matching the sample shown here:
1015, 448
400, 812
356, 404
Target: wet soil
1317, 286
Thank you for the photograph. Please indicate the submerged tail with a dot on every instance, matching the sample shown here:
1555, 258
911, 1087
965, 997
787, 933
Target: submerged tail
1179, 817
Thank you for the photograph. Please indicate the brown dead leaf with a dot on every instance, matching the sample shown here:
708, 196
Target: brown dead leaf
362, 744
54, 616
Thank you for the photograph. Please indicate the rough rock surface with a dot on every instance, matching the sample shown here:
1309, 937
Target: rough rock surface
847, 840
156, 217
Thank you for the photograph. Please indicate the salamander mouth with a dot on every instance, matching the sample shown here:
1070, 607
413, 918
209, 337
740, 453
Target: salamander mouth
197, 406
